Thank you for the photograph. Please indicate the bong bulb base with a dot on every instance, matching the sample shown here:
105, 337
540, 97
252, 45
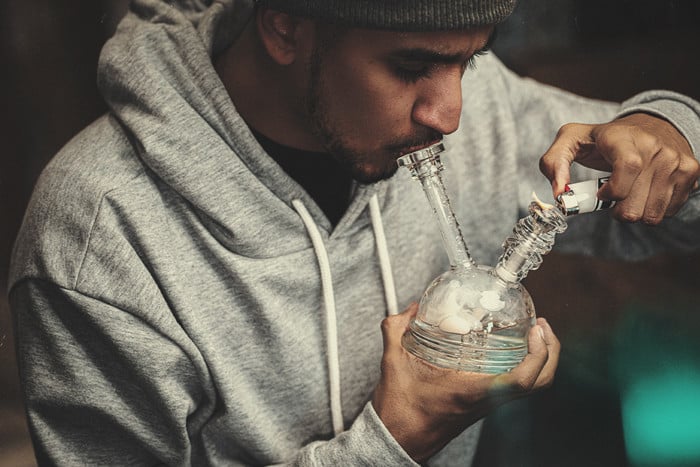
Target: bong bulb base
470, 320
437, 348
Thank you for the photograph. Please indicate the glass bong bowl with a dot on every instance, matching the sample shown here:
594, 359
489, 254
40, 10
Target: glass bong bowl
473, 317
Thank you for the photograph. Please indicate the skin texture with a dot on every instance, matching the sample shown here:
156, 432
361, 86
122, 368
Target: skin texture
367, 97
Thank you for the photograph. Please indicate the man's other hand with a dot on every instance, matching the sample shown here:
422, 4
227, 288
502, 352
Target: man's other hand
653, 167
424, 406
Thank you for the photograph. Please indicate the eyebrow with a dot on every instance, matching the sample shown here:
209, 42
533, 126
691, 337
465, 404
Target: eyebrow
433, 56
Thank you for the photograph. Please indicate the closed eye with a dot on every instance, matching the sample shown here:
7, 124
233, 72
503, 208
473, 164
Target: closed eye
471, 63
412, 65
412, 73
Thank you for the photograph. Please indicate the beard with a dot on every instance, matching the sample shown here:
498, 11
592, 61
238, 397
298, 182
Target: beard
363, 166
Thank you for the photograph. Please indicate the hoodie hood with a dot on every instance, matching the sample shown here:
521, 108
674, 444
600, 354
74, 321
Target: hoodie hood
157, 77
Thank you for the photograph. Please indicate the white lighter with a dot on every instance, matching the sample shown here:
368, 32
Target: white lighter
580, 197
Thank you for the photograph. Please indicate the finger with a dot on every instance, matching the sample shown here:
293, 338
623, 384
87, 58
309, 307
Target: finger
394, 327
631, 207
546, 376
686, 182
627, 166
628, 183
558, 171
667, 168
556, 162
679, 196
523, 377
658, 200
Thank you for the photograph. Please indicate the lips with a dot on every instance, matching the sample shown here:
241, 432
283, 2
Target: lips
418, 147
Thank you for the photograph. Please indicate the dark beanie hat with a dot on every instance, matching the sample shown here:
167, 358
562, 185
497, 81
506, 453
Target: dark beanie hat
399, 15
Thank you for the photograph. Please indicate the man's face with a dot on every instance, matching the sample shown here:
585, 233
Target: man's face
375, 95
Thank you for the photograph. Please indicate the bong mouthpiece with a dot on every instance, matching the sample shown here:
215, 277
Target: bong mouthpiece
423, 161
580, 198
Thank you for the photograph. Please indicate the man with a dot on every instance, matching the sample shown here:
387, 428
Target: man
197, 282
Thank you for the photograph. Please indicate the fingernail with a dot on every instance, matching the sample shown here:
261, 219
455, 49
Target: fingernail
540, 332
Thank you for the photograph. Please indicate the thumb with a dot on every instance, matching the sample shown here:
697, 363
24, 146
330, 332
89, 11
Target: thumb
523, 377
394, 327
555, 164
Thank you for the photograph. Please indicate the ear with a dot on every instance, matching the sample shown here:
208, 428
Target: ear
279, 34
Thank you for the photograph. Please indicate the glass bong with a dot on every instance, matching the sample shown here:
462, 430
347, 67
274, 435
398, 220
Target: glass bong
474, 317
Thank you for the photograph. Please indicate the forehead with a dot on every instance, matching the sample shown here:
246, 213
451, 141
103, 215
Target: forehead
443, 42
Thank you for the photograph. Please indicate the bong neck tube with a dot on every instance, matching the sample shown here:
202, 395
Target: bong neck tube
426, 167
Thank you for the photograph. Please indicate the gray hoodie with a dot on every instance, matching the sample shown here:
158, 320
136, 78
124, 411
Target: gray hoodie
179, 299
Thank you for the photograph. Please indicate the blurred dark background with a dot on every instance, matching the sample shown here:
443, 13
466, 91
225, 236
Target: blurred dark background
629, 331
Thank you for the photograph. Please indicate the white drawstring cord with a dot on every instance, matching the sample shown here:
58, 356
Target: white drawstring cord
383, 253
331, 319
329, 296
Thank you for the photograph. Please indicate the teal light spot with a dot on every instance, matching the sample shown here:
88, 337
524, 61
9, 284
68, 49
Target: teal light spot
661, 417
656, 362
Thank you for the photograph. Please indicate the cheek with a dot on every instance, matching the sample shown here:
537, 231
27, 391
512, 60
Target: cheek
374, 105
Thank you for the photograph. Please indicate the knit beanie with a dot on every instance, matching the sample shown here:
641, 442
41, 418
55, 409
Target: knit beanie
399, 15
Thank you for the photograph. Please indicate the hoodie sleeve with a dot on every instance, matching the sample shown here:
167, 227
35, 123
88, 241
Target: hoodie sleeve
681, 111
102, 387
367, 442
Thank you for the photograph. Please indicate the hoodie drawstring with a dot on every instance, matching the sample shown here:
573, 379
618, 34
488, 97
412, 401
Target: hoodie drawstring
384, 264
329, 296
331, 319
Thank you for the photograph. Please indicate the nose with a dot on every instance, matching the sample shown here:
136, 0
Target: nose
439, 103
